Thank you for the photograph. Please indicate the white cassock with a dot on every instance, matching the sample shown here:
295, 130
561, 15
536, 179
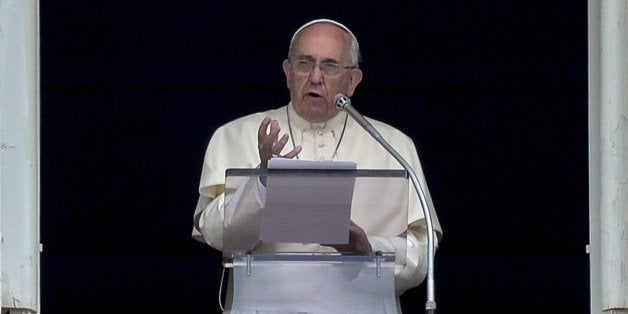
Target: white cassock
234, 145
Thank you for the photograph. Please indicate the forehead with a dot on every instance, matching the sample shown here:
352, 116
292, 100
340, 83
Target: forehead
322, 40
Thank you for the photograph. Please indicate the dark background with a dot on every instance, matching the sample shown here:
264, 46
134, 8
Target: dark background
494, 93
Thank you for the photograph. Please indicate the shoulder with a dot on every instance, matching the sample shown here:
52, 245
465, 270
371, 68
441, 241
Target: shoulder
388, 131
248, 122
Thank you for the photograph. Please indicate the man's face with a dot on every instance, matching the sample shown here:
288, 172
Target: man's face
312, 92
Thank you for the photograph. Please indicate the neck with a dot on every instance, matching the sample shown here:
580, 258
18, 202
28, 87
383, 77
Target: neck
335, 125
306, 123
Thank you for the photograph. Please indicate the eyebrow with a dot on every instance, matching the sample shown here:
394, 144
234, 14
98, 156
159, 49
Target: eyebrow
311, 58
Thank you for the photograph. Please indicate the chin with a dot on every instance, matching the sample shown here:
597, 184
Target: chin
313, 112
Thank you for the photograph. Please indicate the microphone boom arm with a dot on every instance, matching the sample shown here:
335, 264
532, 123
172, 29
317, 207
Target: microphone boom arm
344, 103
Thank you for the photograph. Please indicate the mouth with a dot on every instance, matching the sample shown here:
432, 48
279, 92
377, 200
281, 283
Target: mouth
314, 95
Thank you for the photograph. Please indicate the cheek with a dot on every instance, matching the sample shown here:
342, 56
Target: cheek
343, 86
292, 81
298, 85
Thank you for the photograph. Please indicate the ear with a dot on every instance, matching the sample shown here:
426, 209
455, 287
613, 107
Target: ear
354, 80
286, 71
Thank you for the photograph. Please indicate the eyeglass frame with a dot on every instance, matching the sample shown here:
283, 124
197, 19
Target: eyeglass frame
320, 65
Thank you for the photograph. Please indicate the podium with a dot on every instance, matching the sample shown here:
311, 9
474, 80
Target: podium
277, 239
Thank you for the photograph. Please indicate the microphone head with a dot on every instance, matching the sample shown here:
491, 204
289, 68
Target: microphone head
342, 101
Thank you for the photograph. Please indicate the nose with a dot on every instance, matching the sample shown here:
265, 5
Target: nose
316, 75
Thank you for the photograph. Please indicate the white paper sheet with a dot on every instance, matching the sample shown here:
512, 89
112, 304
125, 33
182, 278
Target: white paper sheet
307, 209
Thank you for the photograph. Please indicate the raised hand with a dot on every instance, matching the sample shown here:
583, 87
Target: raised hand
270, 145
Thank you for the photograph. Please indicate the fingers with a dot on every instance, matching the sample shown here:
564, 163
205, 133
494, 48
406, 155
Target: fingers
261, 132
265, 138
293, 153
269, 143
358, 241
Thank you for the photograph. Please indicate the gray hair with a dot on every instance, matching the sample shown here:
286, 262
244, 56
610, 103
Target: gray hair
354, 47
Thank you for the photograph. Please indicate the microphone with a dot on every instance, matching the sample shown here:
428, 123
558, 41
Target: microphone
343, 103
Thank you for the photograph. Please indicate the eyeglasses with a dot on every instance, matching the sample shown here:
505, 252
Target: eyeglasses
328, 68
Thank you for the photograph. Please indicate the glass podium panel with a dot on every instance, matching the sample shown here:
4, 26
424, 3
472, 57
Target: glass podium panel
308, 211
312, 283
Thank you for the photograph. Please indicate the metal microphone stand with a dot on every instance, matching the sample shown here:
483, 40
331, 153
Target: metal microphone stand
344, 103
